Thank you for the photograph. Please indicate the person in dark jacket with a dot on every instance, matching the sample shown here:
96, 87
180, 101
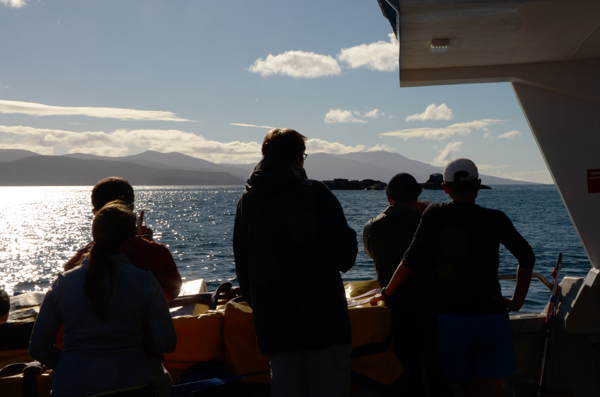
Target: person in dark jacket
387, 236
385, 239
290, 243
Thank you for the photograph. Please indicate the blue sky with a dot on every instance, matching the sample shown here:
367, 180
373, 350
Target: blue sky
209, 78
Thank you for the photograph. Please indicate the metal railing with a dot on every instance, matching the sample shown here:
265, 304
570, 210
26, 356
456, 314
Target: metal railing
539, 276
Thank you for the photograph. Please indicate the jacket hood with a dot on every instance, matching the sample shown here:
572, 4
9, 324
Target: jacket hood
272, 175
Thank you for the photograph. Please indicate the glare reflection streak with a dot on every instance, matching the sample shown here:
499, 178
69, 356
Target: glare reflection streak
40, 228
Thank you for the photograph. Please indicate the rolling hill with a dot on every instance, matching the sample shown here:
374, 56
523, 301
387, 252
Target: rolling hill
23, 168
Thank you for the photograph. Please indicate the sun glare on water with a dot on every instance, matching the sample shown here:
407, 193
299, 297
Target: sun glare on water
40, 228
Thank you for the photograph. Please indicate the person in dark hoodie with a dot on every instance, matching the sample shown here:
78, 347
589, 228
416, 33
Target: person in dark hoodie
290, 243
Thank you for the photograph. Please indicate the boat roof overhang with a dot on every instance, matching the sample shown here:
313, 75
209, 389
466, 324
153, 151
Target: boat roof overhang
549, 51
488, 39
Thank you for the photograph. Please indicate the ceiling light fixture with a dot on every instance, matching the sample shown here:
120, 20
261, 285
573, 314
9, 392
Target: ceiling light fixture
439, 46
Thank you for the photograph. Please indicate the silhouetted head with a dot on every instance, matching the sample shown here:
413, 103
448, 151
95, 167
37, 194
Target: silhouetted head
110, 189
403, 187
461, 176
112, 225
287, 145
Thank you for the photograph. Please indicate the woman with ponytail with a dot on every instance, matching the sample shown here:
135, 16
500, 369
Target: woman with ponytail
104, 304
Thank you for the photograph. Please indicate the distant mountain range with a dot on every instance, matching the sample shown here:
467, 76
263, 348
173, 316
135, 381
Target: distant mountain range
25, 168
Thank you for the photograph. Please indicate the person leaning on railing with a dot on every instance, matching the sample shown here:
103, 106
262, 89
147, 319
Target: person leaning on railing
458, 244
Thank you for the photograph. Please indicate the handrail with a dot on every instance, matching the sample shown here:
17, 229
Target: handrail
204, 298
220, 296
184, 300
513, 276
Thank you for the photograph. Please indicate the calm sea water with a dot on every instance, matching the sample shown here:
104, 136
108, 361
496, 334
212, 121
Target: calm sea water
42, 227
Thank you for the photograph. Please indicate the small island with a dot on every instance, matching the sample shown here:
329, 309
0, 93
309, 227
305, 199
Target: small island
345, 184
433, 183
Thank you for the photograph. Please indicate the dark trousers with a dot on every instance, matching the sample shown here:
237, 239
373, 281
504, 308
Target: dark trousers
146, 391
413, 333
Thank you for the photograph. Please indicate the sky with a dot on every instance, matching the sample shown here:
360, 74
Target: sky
210, 78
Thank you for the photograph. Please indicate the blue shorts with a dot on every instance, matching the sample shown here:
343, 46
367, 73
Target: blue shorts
475, 345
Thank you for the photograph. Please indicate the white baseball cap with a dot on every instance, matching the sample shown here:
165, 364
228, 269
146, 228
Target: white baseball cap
460, 170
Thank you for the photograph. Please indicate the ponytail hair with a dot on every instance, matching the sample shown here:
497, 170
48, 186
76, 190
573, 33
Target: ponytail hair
112, 225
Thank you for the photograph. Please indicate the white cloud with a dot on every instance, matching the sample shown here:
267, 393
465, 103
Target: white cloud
316, 145
13, 3
510, 135
540, 176
432, 112
381, 56
119, 143
443, 132
342, 116
379, 147
450, 152
489, 134
298, 64
38, 109
348, 116
375, 113
108, 151
486, 167
251, 125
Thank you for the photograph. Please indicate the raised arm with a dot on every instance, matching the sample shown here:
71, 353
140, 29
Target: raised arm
521, 250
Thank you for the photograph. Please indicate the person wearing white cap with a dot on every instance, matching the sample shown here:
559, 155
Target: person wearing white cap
458, 244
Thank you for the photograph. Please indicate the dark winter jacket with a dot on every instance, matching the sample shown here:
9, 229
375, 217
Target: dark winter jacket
387, 236
385, 239
291, 241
